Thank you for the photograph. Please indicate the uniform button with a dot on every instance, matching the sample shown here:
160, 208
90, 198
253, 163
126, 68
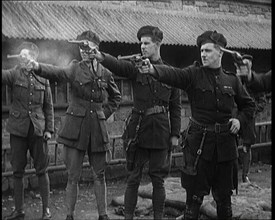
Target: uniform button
91, 111
155, 90
80, 84
99, 80
218, 100
30, 93
31, 84
72, 113
30, 112
93, 90
92, 100
30, 103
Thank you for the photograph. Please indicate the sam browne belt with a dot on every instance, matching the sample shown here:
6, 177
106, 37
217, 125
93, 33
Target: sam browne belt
153, 110
217, 128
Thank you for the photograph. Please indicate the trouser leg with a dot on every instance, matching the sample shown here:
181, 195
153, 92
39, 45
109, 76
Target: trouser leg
19, 148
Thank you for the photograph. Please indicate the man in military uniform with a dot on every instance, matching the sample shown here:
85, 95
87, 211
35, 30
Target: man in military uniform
30, 124
84, 126
155, 121
210, 151
248, 131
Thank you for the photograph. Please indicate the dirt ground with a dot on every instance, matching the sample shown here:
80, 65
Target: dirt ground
260, 174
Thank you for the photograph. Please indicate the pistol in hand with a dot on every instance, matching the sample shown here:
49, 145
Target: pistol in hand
84, 45
16, 56
238, 58
137, 59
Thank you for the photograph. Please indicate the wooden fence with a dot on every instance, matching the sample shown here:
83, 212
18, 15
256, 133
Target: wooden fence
263, 140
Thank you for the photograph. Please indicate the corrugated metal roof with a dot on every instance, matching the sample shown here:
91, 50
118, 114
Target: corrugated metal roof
47, 20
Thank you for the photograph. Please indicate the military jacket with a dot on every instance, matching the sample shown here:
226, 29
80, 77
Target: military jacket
31, 102
84, 123
212, 94
154, 130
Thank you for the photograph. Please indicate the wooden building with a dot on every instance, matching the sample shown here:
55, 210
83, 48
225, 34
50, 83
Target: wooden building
49, 24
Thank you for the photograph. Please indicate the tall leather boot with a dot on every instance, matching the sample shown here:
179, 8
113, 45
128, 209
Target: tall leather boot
101, 197
158, 202
130, 201
192, 208
224, 212
72, 190
246, 164
18, 191
44, 184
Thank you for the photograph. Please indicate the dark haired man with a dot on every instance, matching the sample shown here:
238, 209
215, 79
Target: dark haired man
84, 126
30, 124
154, 122
210, 150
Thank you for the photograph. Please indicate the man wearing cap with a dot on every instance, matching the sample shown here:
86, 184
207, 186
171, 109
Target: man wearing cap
30, 124
210, 151
84, 126
154, 121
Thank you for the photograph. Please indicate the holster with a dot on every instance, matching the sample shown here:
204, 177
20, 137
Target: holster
130, 148
130, 145
189, 165
188, 162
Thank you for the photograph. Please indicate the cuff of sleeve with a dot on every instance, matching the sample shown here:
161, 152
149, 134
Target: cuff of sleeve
175, 135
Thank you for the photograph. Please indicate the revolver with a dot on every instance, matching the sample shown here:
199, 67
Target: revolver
238, 58
84, 45
137, 59
13, 56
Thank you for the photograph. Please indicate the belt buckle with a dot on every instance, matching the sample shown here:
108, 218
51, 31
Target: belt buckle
217, 128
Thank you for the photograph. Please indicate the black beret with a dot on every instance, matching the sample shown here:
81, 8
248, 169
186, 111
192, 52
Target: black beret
154, 32
34, 51
90, 36
211, 37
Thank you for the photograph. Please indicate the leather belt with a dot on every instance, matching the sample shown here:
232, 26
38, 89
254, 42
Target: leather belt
216, 128
153, 110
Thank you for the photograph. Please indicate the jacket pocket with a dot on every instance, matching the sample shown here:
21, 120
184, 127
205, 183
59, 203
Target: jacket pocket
102, 123
71, 126
227, 98
39, 91
20, 89
14, 114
